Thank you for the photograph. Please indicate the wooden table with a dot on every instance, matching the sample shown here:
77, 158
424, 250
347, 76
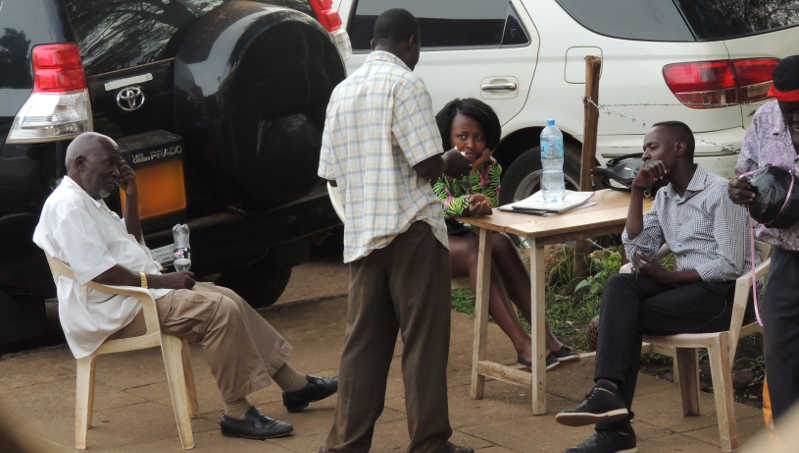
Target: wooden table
606, 217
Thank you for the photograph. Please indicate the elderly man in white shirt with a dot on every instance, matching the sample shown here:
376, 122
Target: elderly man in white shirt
244, 352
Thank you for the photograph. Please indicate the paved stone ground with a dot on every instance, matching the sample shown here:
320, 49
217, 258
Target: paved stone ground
132, 411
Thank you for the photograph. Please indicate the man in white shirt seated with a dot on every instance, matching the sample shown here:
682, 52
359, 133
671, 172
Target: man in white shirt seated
244, 352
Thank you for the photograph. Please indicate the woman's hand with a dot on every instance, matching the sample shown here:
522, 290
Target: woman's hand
486, 154
479, 205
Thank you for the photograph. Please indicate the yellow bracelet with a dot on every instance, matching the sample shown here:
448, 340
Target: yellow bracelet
143, 279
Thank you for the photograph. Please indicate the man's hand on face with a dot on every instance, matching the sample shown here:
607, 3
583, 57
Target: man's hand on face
651, 172
177, 280
127, 179
455, 163
741, 192
479, 205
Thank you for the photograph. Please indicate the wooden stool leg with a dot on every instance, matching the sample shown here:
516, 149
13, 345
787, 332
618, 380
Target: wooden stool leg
171, 349
721, 373
481, 313
84, 399
688, 367
188, 373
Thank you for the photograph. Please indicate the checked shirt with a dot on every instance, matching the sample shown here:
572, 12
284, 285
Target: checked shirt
379, 125
704, 229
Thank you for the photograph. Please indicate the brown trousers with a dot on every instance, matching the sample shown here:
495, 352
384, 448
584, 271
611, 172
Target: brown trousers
405, 287
243, 350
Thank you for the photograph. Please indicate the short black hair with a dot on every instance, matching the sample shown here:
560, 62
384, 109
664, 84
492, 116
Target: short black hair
682, 132
395, 26
474, 109
786, 74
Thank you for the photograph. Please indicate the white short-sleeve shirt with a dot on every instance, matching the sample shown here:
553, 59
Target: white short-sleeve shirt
380, 124
90, 238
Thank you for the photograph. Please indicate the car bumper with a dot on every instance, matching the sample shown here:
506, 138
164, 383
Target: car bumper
716, 151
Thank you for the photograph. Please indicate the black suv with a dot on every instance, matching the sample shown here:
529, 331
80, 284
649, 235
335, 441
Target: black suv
218, 104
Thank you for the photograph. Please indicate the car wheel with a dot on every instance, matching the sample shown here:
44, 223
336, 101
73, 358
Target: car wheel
260, 284
522, 178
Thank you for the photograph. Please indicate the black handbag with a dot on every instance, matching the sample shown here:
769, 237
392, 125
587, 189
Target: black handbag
777, 202
620, 172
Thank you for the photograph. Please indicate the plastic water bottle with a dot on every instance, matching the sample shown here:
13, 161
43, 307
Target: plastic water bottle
553, 188
180, 234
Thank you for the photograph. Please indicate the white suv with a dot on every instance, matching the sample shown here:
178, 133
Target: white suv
705, 63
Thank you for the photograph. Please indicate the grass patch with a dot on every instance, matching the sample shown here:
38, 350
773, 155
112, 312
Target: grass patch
463, 301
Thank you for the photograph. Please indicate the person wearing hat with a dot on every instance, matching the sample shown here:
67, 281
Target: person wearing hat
773, 139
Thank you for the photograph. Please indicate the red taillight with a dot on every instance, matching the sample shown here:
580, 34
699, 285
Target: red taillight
754, 78
328, 17
57, 68
712, 84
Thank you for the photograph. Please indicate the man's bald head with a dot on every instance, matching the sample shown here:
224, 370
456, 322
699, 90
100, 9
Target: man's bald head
93, 162
86, 143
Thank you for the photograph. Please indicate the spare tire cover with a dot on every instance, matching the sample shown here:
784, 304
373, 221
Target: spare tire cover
252, 83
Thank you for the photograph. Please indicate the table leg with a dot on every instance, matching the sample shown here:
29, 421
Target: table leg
537, 320
481, 312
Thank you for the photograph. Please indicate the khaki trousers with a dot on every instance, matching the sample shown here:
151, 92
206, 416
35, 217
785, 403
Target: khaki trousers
405, 287
243, 350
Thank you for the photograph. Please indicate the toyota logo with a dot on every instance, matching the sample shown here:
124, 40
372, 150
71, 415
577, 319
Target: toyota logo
130, 98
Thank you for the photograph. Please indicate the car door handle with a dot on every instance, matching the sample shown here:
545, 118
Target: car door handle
504, 86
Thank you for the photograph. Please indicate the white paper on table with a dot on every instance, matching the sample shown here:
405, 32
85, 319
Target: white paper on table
572, 199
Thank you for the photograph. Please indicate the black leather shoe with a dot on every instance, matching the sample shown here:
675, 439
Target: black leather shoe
600, 406
316, 389
452, 448
607, 442
254, 425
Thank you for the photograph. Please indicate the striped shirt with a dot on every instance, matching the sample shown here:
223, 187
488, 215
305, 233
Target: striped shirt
704, 229
379, 125
768, 141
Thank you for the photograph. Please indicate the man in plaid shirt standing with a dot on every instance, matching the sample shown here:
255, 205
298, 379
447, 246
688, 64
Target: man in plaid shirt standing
381, 146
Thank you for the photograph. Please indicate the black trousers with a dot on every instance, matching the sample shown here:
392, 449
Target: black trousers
779, 311
636, 305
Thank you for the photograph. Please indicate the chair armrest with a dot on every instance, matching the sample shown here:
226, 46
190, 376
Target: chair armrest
745, 280
143, 295
61, 269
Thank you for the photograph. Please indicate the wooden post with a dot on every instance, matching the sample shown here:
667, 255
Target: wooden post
593, 65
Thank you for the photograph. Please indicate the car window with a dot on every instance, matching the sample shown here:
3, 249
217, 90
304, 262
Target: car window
727, 19
649, 20
452, 23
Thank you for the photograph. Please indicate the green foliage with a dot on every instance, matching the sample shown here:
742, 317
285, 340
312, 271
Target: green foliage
603, 264
463, 301
570, 307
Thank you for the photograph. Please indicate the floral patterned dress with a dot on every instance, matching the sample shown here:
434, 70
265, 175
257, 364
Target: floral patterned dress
454, 193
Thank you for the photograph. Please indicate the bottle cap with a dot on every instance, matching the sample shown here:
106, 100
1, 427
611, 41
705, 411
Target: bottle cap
550, 122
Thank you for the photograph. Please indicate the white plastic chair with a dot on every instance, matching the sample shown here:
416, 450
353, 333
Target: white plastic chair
175, 353
721, 348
